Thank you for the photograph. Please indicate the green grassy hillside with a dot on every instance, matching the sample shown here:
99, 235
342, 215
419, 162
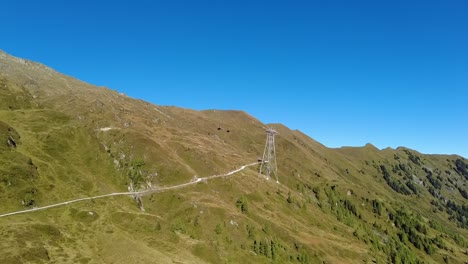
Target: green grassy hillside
62, 139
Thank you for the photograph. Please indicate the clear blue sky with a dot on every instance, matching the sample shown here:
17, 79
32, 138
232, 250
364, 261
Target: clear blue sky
392, 73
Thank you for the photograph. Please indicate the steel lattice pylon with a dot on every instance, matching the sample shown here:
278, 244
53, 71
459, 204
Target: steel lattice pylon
268, 162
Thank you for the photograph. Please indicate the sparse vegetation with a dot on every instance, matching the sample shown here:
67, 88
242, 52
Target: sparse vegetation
73, 140
397, 185
242, 204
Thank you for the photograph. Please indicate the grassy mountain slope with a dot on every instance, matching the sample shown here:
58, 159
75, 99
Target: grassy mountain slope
63, 139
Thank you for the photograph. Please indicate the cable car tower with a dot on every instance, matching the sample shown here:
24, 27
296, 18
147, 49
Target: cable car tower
268, 162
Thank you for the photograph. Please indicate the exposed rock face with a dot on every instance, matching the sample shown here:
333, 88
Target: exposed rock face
11, 142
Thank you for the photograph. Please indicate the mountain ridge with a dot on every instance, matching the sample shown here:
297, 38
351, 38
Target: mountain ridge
346, 205
48, 69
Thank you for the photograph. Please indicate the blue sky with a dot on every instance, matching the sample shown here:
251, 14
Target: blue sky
392, 73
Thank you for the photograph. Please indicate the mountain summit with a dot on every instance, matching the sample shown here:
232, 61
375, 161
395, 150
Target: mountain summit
133, 182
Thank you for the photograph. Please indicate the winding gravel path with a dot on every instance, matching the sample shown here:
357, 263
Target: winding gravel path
130, 193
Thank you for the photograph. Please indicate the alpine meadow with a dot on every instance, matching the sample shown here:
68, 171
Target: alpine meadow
162, 184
